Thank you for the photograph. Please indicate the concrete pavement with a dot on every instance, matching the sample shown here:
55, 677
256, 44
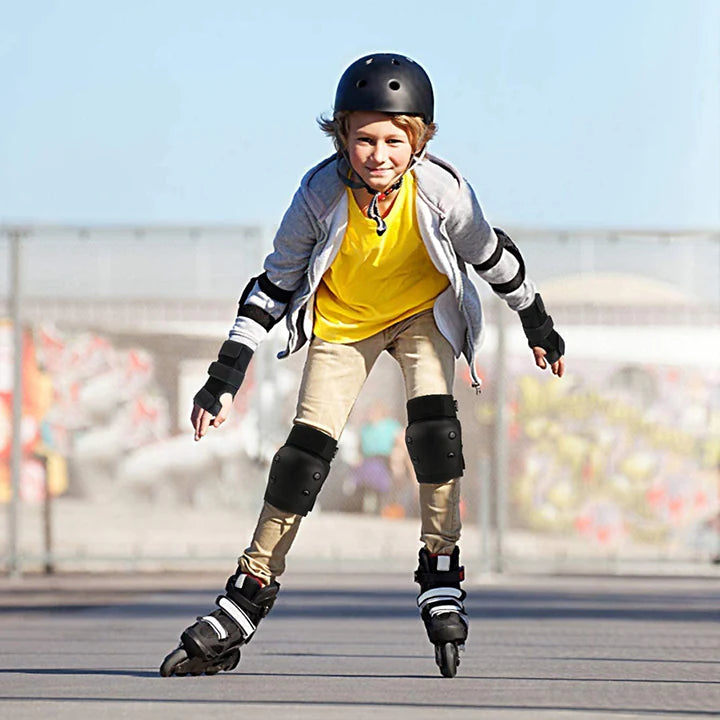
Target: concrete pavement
352, 646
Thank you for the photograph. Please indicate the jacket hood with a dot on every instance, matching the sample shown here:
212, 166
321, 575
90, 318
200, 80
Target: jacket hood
439, 181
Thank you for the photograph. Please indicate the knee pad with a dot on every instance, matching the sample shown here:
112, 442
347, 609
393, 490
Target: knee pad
434, 439
299, 469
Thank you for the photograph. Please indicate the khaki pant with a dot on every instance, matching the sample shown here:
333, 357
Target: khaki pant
332, 379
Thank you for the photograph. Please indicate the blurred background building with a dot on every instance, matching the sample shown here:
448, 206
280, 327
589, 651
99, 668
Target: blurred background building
615, 463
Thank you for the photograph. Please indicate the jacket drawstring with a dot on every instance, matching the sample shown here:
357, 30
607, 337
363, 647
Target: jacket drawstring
373, 212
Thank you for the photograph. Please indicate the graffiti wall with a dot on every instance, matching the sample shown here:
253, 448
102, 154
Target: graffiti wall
618, 455
84, 402
43, 466
616, 458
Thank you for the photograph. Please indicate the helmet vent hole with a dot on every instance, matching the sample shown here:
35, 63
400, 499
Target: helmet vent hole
394, 85
368, 61
395, 61
361, 83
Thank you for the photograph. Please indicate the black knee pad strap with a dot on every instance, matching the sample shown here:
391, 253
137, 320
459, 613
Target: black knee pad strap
434, 438
299, 469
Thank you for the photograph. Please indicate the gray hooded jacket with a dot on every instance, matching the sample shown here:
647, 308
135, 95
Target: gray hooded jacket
452, 226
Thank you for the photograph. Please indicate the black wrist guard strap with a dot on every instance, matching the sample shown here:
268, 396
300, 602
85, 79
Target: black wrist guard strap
226, 375
540, 332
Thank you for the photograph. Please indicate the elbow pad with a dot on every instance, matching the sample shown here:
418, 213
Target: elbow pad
539, 330
226, 375
498, 256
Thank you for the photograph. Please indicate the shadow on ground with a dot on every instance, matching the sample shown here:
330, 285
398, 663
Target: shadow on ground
483, 603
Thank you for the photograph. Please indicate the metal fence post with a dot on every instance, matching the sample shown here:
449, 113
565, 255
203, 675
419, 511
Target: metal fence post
500, 444
14, 564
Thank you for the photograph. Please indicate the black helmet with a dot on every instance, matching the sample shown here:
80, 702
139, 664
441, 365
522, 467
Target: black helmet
386, 82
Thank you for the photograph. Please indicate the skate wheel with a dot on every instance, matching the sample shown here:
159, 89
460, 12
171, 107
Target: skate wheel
172, 662
446, 656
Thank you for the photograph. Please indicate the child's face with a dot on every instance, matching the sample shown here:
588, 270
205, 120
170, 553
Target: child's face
378, 150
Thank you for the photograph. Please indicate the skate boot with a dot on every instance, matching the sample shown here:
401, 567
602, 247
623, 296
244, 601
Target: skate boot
213, 643
441, 606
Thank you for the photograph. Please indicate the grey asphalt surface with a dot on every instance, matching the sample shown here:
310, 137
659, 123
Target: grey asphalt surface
343, 646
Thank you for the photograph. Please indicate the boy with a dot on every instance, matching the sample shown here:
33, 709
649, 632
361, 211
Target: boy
370, 256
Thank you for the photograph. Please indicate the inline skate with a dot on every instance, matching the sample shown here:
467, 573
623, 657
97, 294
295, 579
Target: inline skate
213, 642
441, 606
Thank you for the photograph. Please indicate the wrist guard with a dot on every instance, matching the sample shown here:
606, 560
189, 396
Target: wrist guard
226, 375
540, 332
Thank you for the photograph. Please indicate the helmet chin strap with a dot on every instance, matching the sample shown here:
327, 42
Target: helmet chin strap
377, 195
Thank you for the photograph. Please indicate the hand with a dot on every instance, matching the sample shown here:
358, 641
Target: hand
202, 420
558, 367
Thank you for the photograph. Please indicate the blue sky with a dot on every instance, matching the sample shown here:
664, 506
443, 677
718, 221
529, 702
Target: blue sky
560, 113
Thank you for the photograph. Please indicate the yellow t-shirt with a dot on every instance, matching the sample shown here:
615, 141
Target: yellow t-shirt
376, 281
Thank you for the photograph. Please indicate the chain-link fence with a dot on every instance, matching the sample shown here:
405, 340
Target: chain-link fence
615, 463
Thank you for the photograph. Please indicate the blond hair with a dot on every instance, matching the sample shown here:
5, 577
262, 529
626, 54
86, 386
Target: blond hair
419, 132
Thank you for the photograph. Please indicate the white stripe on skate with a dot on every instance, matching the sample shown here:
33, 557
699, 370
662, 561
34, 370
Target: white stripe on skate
215, 624
441, 592
463, 618
443, 563
238, 615
239, 580
438, 609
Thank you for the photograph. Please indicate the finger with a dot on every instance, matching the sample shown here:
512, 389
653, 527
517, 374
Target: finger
197, 422
195, 418
225, 407
558, 367
202, 422
205, 421
540, 357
